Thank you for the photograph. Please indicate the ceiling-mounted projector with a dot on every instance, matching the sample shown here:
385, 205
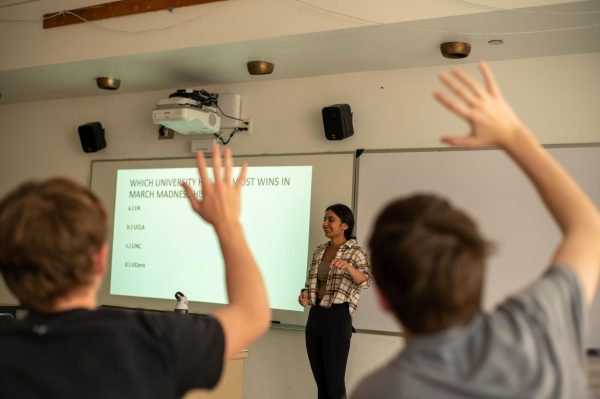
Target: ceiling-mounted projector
188, 112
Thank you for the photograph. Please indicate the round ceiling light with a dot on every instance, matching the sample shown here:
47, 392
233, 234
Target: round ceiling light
108, 83
455, 50
259, 67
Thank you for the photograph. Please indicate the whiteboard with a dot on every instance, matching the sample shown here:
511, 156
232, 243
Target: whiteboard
491, 189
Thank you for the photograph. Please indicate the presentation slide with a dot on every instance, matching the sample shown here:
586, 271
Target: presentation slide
160, 246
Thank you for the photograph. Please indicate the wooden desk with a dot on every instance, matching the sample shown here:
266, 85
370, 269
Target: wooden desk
230, 385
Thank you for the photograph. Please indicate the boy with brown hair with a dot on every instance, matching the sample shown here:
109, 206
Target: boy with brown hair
53, 258
428, 261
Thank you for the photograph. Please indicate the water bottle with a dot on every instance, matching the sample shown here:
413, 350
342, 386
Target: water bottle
182, 303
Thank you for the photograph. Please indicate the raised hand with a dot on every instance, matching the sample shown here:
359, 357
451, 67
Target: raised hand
492, 120
247, 316
220, 202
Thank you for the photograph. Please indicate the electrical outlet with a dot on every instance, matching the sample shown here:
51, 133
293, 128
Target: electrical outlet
245, 129
164, 133
201, 146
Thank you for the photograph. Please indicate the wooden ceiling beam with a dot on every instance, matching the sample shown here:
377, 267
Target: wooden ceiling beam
114, 9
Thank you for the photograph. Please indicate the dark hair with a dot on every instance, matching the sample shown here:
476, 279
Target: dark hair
428, 261
50, 232
346, 216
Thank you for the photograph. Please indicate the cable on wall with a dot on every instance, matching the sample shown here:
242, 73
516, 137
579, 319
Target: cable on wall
525, 11
106, 28
417, 28
347, 16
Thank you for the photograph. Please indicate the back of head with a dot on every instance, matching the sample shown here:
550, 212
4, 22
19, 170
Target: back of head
49, 234
428, 260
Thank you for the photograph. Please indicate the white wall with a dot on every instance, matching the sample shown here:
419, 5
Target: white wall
557, 97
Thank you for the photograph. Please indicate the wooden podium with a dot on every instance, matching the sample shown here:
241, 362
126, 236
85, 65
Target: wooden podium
230, 385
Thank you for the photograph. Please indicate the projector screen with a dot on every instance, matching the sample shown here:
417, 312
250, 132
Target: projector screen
160, 246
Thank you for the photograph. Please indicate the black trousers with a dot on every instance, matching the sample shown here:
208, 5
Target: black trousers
328, 333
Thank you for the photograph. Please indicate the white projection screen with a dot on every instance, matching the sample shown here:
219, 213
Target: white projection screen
160, 246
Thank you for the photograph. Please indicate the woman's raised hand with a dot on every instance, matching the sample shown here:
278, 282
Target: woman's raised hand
338, 263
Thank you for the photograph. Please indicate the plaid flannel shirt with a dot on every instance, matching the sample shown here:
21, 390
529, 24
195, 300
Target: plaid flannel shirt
340, 285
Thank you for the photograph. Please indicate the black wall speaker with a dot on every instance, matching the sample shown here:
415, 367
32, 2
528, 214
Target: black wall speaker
92, 137
337, 121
